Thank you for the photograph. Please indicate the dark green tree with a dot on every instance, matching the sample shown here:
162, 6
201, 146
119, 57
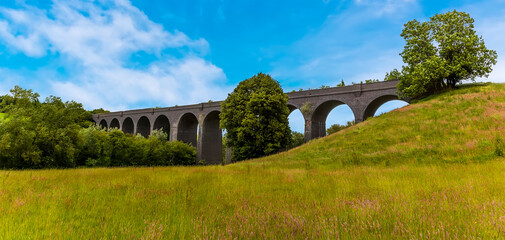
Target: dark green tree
440, 53
297, 139
255, 116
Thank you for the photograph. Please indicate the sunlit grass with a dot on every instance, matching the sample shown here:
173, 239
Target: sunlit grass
428, 170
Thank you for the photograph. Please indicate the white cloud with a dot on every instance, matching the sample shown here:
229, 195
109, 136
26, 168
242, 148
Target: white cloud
94, 42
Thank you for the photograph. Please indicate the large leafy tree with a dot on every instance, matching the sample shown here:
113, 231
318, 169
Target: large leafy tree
255, 116
440, 53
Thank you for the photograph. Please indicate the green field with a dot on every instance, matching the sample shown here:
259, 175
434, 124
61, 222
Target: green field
429, 170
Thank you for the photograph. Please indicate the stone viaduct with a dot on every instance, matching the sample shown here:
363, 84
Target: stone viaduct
198, 124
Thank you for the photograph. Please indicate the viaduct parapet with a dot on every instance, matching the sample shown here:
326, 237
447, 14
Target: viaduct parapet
198, 124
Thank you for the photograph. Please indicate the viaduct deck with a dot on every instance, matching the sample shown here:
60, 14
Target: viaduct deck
185, 123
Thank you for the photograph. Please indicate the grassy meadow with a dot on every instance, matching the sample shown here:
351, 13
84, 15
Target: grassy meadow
432, 169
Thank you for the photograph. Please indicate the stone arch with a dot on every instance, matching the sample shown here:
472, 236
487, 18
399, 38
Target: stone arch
103, 124
291, 108
144, 126
128, 126
372, 107
114, 124
163, 123
212, 142
187, 129
319, 116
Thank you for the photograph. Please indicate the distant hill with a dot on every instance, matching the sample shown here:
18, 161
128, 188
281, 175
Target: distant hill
460, 126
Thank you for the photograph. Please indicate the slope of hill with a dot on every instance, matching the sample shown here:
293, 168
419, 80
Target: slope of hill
461, 126
429, 170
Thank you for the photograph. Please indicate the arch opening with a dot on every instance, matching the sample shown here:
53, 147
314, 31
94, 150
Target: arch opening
114, 124
187, 129
390, 106
162, 123
296, 121
128, 126
144, 126
103, 124
383, 104
212, 142
336, 111
297, 126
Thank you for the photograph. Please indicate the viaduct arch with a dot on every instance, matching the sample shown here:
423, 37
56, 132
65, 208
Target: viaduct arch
198, 124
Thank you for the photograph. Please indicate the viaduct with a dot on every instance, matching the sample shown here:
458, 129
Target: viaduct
185, 123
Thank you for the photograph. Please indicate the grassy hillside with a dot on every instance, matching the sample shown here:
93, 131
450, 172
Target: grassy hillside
462, 126
430, 169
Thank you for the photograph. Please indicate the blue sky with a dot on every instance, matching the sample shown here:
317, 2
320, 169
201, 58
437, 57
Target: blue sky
122, 54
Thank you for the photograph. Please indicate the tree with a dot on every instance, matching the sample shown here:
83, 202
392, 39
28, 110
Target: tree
440, 53
297, 139
255, 116
337, 127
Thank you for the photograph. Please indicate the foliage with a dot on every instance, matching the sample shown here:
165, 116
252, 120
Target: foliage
297, 139
159, 134
440, 53
419, 173
341, 84
337, 127
40, 134
98, 110
393, 75
371, 81
306, 108
118, 149
54, 133
255, 116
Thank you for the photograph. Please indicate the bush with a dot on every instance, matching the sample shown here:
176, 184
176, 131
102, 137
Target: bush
59, 134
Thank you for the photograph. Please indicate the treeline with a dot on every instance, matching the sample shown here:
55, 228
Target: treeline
54, 133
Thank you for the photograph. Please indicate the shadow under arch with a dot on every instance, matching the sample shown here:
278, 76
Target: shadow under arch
114, 124
128, 126
144, 126
319, 116
212, 139
376, 103
103, 124
187, 128
162, 123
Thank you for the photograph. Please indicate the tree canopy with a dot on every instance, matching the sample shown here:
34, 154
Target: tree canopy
54, 133
255, 116
440, 53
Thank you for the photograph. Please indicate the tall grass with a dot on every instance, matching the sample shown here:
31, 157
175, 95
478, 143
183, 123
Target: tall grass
429, 170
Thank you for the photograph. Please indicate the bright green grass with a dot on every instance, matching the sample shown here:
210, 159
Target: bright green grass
428, 170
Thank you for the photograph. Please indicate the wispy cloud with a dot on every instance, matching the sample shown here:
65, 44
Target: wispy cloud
95, 42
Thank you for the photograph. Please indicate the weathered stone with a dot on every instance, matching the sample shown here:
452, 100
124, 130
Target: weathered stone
181, 122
